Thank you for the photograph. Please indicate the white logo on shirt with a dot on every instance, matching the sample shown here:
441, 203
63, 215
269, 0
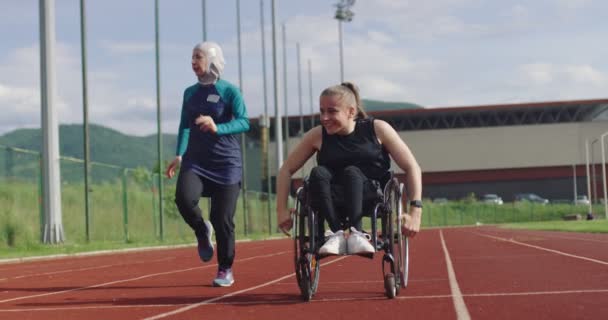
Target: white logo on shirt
213, 98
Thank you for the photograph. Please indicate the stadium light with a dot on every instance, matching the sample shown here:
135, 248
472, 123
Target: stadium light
343, 14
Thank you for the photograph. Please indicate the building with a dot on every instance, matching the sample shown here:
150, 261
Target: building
503, 149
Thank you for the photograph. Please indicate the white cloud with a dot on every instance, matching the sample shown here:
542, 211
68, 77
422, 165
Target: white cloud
551, 74
127, 47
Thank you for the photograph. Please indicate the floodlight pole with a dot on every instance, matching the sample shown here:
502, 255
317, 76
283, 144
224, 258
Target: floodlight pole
343, 14
51, 176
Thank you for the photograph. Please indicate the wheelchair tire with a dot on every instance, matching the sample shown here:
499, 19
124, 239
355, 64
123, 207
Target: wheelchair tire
305, 242
390, 287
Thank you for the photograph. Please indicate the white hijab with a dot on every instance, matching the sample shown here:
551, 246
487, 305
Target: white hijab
215, 57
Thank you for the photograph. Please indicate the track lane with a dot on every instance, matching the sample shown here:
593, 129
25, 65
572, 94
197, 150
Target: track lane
501, 279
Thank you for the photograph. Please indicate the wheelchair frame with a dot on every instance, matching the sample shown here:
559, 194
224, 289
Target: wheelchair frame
308, 238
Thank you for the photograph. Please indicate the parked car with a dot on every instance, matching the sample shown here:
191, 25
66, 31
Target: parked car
531, 197
491, 198
581, 200
440, 200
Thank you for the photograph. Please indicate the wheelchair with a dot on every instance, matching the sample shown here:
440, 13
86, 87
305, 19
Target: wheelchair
308, 238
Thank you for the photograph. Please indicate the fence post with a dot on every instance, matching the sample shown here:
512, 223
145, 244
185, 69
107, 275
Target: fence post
154, 206
532, 212
161, 220
245, 211
40, 209
9, 162
125, 205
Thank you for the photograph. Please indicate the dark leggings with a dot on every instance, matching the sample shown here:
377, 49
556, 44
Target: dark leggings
190, 188
338, 196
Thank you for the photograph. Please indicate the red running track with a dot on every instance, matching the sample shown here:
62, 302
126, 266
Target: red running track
455, 273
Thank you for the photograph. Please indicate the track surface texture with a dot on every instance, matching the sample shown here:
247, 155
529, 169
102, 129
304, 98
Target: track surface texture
455, 273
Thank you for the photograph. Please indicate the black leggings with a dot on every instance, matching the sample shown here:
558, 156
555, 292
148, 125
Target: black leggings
190, 188
339, 196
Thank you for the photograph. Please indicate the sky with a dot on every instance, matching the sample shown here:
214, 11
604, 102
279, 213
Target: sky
435, 53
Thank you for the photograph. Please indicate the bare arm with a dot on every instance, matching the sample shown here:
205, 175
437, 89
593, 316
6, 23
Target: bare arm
404, 158
310, 143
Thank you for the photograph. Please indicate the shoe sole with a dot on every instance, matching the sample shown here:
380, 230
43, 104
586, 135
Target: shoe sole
215, 284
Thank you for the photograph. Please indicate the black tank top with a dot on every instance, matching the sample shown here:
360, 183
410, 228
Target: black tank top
359, 148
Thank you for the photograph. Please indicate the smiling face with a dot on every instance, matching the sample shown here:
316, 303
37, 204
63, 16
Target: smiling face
337, 117
200, 63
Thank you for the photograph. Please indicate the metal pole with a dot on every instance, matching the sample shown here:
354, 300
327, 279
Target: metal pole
593, 175
300, 90
278, 134
312, 108
588, 180
51, 187
343, 13
286, 121
604, 172
204, 7
85, 120
341, 51
574, 183
158, 119
266, 122
243, 135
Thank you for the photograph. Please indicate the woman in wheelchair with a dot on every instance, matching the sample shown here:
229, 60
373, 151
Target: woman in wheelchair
353, 155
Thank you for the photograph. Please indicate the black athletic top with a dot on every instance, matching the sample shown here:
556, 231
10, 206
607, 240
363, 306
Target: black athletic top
359, 148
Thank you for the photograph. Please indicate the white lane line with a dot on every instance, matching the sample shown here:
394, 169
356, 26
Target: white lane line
85, 269
131, 279
549, 235
543, 248
284, 301
88, 254
462, 313
208, 301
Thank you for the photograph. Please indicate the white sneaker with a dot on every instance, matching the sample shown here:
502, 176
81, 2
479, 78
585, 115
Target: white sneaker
335, 243
358, 242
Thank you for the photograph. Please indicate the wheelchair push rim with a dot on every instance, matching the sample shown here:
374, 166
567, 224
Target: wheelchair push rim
402, 255
306, 261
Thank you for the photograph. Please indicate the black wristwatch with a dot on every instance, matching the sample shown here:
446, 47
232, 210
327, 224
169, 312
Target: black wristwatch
416, 203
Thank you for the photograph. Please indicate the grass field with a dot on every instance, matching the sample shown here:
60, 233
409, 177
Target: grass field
125, 215
591, 226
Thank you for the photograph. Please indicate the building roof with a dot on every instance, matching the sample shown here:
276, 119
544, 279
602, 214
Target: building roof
473, 116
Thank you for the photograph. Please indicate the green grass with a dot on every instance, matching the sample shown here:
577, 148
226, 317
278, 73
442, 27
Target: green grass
20, 221
20, 218
591, 226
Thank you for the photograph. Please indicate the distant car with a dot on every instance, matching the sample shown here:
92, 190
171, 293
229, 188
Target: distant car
581, 200
440, 200
531, 197
491, 198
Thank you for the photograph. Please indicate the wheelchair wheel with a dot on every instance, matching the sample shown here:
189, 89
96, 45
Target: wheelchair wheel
306, 260
390, 215
402, 252
390, 286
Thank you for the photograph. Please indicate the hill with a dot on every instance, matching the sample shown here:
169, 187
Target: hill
107, 146
376, 105
112, 147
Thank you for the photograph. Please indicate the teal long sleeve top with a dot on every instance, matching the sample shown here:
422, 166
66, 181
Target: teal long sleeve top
215, 156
